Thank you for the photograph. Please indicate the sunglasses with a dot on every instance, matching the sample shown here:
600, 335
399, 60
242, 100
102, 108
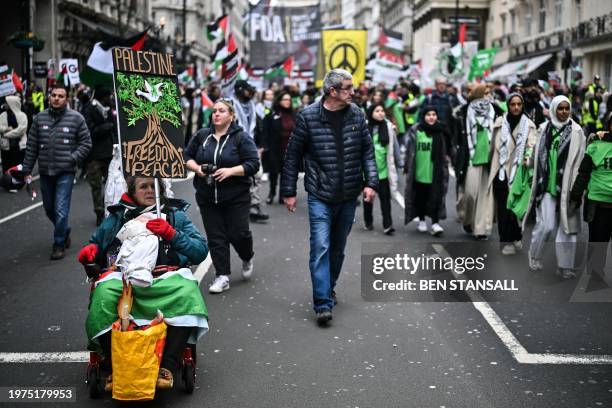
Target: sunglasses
226, 100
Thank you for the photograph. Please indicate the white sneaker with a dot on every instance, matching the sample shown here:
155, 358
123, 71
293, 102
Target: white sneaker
508, 249
534, 264
265, 177
422, 227
436, 230
220, 284
518, 245
247, 268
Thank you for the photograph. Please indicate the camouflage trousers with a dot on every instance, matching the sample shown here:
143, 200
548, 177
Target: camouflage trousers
97, 173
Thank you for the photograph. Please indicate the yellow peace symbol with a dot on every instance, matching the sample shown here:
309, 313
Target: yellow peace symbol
345, 56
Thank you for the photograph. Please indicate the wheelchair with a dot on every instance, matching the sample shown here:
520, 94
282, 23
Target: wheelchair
94, 378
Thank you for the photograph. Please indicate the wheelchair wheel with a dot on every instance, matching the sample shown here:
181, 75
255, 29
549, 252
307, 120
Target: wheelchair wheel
189, 368
94, 382
189, 378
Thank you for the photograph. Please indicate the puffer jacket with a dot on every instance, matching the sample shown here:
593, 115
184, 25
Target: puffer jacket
313, 141
59, 139
7, 133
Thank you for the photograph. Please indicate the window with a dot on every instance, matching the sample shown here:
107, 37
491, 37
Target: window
558, 12
528, 21
579, 10
503, 19
542, 20
512, 21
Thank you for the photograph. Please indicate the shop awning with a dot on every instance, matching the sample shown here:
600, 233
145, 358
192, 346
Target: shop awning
520, 67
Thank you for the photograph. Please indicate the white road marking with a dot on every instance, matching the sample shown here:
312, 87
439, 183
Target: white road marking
78, 356
203, 269
29, 358
34, 206
21, 212
517, 350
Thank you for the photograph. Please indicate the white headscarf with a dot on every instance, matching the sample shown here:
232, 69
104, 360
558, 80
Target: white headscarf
554, 104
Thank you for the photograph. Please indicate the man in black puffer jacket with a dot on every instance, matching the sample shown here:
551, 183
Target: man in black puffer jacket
332, 138
59, 140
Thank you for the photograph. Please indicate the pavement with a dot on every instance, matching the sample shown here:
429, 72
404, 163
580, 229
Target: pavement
264, 348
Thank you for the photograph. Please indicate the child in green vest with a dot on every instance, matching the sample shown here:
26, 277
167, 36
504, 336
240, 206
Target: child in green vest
595, 176
383, 136
426, 169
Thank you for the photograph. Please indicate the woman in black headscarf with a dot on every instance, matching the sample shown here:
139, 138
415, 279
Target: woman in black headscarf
514, 137
384, 141
426, 169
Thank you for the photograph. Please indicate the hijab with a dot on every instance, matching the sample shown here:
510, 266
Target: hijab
554, 104
383, 131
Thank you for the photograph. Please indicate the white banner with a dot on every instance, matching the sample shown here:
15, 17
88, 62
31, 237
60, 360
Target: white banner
7, 87
72, 66
386, 72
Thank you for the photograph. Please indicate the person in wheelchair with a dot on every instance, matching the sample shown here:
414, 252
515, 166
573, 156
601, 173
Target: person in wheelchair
174, 291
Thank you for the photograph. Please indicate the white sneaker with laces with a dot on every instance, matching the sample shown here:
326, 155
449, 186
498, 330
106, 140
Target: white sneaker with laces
518, 245
422, 227
508, 249
247, 268
220, 284
436, 230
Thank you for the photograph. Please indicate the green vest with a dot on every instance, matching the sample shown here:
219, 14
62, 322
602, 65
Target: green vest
423, 162
380, 154
481, 150
399, 118
412, 118
600, 184
553, 155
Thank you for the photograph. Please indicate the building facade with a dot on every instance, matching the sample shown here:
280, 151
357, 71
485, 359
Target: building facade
437, 22
528, 32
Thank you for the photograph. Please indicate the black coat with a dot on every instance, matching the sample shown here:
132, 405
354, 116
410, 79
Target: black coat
235, 148
271, 141
313, 141
101, 129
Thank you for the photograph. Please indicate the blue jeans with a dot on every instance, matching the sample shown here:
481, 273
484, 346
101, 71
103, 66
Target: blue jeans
56, 193
330, 225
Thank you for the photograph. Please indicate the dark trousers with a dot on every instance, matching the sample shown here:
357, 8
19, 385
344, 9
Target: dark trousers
11, 158
421, 197
273, 177
226, 224
97, 172
384, 194
600, 233
507, 224
56, 194
176, 341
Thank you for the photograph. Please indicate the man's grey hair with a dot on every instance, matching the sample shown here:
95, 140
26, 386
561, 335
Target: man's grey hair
334, 78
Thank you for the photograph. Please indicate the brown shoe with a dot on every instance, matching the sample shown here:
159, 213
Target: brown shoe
57, 253
165, 380
108, 387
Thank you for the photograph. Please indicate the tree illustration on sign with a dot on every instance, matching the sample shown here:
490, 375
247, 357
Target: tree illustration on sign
154, 99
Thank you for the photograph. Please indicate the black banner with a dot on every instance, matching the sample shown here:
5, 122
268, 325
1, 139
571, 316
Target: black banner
149, 109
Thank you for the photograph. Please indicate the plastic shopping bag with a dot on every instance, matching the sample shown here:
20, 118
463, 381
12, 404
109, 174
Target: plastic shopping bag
136, 357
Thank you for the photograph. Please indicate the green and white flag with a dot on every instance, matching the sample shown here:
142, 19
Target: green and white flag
482, 62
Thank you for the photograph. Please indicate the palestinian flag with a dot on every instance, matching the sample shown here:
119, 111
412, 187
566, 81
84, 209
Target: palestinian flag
62, 77
223, 50
391, 46
280, 69
17, 82
229, 70
186, 76
99, 68
217, 29
176, 294
207, 105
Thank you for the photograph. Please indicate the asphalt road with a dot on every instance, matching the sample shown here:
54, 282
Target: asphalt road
265, 350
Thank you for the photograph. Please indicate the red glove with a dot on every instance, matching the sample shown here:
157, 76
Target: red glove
161, 227
88, 254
